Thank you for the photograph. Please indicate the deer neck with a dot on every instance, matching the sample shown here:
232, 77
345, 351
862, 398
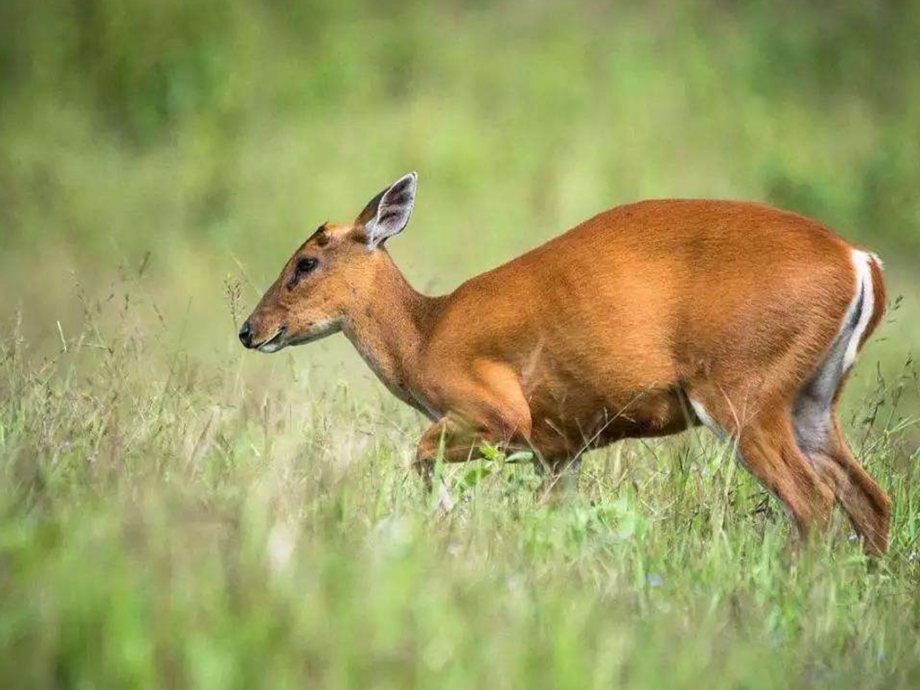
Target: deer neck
390, 328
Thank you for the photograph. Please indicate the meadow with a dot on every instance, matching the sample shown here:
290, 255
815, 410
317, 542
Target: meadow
177, 512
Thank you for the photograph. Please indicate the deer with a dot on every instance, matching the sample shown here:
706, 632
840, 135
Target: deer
643, 321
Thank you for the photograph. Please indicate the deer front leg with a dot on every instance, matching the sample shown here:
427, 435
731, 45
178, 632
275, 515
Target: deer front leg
458, 442
559, 478
452, 439
487, 409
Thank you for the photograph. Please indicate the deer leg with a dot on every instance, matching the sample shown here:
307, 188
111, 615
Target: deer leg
493, 412
558, 479
452, 440
817, 430
767, 448
772, 456
867, 506
818, 433
443, 434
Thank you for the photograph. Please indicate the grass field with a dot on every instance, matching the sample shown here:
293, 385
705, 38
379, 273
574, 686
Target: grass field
176, 512
176, 523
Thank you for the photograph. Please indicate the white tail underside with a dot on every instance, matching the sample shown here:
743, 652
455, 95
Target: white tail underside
863, 300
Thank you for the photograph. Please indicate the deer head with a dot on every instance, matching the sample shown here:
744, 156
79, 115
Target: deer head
331, 275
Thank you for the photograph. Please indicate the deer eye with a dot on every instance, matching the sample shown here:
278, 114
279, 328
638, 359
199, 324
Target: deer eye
305, 265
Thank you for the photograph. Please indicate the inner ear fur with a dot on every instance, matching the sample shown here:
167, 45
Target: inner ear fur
370, 211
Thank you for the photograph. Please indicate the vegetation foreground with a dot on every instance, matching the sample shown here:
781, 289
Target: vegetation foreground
167, 523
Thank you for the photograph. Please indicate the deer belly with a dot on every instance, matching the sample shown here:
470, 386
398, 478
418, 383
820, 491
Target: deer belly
591, 422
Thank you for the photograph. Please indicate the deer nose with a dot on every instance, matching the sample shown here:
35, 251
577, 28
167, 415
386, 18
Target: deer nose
246, 335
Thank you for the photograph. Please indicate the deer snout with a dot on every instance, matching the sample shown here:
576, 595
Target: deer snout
253, 336
246, 335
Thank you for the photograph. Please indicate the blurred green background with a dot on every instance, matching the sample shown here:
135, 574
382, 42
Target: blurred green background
204, 139
177, 512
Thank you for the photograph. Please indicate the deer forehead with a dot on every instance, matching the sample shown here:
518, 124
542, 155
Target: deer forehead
327, 236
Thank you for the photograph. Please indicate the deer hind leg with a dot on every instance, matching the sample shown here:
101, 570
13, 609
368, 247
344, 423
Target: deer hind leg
767, 448
818, 433
865, 503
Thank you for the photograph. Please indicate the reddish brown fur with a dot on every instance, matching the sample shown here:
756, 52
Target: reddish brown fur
604, 333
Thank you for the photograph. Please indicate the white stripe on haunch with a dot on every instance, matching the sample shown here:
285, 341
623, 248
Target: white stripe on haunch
864, 287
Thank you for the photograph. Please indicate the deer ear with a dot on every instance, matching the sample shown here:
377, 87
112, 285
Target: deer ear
388, 213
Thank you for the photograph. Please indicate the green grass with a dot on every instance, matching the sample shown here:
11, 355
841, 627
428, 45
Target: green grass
171, 522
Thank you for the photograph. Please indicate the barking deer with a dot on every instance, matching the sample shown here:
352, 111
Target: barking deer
642, 321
